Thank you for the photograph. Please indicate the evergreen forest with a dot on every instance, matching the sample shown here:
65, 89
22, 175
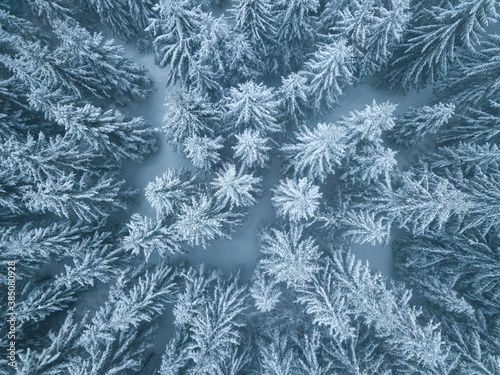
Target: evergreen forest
254, 187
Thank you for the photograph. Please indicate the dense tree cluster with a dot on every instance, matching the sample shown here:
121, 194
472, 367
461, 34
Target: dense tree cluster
249, 88
63, 144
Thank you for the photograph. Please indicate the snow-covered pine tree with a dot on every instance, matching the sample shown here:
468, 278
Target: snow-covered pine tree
296, 200
94, 259
116, 15
316, 152
254, 19
436, 33
202, 220
11, 195
214, 46
225, 58
456, 274
293, 97
52, 11
176, 28
467, 157
330, 14
483, 197
373, 28
175, 357
13, 115
243, 61
126, 18
289, 256
97, 258
130, 304
275, 353
215, 325
453, 271
424, 200
328, 71
207, 73
108, 133
237, 361
29, 167
35, 244
419, 202
295, 32
236, 189
121, 330
73, 69
11, 125
209, 313
16, 27
367, 125
314, 357
167, 192
62, 344
203, 151
44, 100
474, 125
204, 81
87, 54
251, 106
473, 341
39, 158
475, 81
264, 291
70, 196
372, 163
252, 149
146, 235
140, 11
363, 227
418, 122
345, 291
322, 300
37, 67
188, 114
196, 284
